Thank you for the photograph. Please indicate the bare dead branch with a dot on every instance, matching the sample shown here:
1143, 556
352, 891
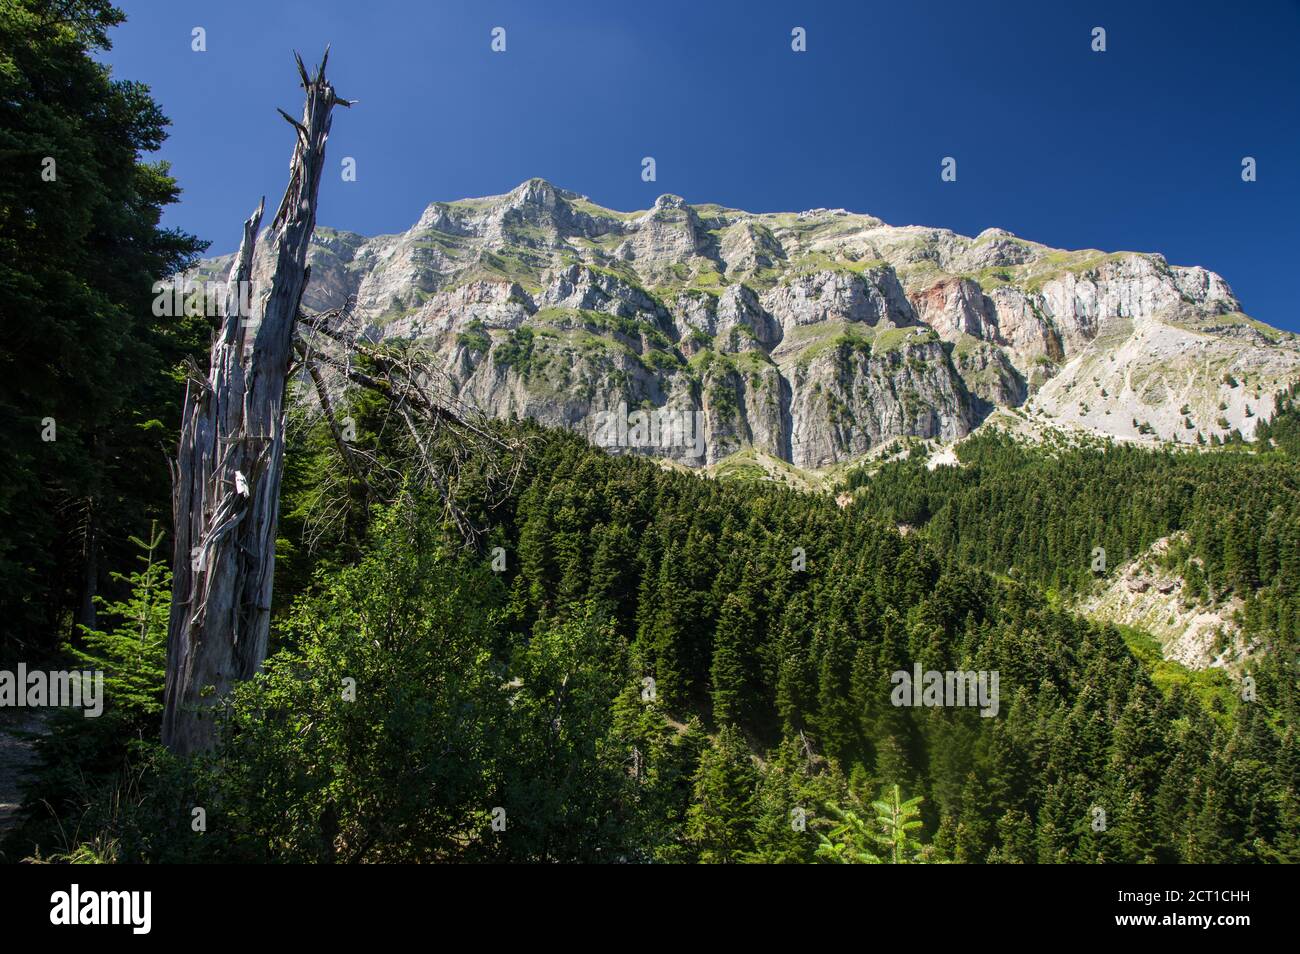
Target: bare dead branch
443, 435
225, 496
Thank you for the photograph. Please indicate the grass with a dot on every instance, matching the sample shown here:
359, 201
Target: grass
742, 470
967, 344
993, 277
814, 262
515, 264
590, 208
444, 241
808, 341
1213, 688
892, 339
1034, 275
700, 274
1233, 319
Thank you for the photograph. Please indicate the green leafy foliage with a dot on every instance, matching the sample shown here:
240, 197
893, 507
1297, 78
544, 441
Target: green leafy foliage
651, 679
850, 842
1041, 514
88, 767
719, 825
87, 384
516, 351
133, 654
1282, 430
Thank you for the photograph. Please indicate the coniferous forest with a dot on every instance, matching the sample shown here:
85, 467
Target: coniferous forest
525, 691
567, 655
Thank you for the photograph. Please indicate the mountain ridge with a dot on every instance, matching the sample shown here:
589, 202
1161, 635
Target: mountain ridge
812, 337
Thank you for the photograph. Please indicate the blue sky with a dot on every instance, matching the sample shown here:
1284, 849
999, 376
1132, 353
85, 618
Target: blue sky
1137, 148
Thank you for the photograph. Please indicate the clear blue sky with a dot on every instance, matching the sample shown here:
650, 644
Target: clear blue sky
1137, 148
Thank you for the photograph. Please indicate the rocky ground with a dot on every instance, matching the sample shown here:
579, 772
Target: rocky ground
1147, 597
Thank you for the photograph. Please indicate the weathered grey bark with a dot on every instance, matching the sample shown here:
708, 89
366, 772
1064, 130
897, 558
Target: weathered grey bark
226, 481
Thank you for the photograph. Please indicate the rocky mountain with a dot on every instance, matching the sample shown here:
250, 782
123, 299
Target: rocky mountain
695, 331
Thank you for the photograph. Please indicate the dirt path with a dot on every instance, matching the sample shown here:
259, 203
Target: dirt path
17, 755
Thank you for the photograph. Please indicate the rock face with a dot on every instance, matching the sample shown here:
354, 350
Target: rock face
811, 336
1144, 595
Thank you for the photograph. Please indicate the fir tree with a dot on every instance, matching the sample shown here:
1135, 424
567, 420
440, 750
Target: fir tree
133, 654
720, 822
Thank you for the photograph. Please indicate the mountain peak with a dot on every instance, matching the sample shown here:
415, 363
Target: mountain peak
813, 337
538, 191
670, 201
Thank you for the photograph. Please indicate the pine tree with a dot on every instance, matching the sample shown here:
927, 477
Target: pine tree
133, 655
787, 796
852, 842
665, 637
720, 822
86, 372
1016, 837
886, 838
899, 819
730, 672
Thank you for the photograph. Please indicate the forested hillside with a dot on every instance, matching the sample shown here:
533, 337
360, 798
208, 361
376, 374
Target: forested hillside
1039, 513
769, 621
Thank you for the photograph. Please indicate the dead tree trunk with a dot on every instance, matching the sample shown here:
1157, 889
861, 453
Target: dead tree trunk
226, 481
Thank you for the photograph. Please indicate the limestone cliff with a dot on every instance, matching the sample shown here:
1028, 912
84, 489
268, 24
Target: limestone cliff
811, 337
